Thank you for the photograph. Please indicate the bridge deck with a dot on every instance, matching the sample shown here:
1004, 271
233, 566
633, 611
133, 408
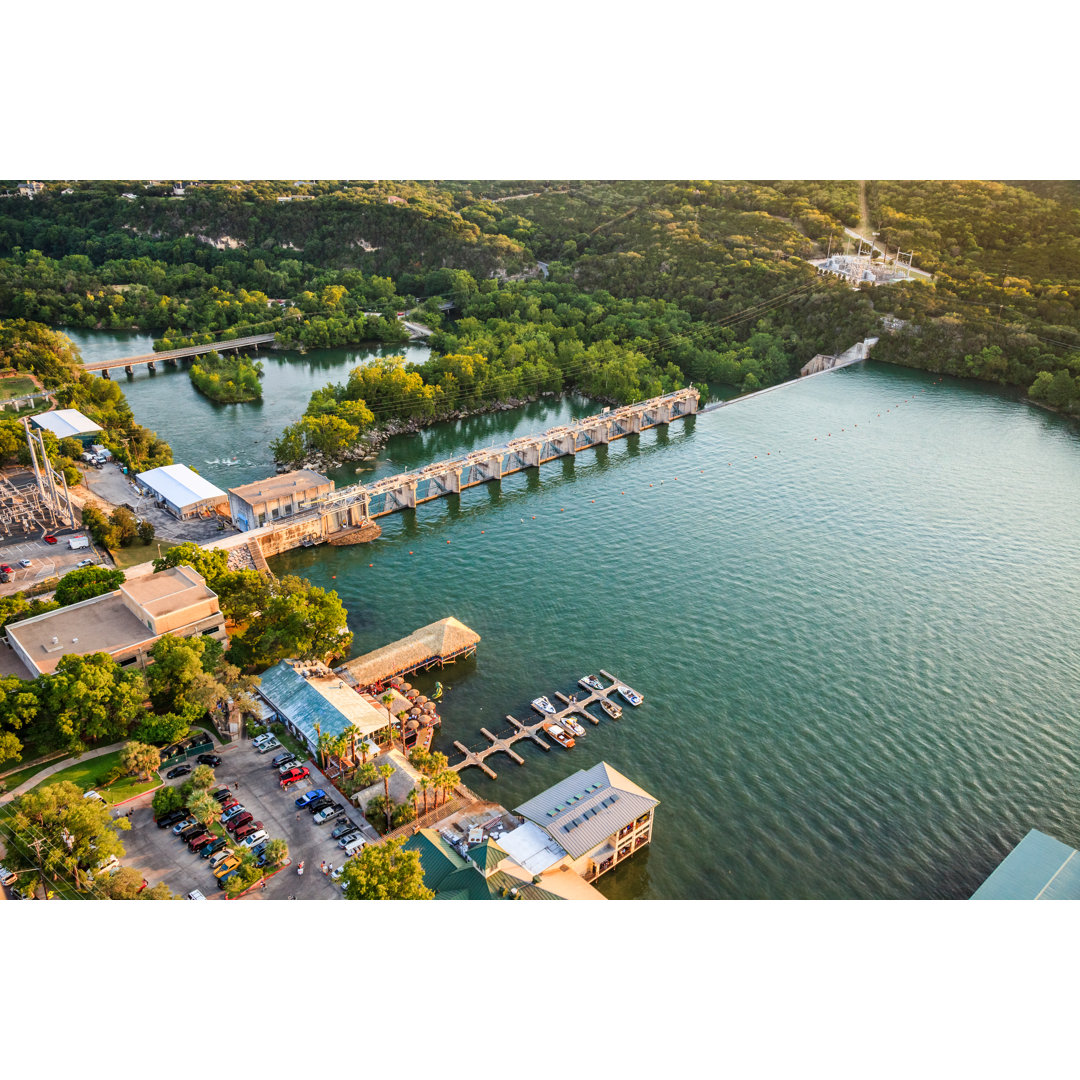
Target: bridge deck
179, 354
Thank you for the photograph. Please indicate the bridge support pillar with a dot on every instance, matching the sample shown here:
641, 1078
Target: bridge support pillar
128, 369
172, 361
452, 481
151, 365
633, 422
105, 373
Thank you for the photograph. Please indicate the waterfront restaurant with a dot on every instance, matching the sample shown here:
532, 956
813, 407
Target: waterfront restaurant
599, 817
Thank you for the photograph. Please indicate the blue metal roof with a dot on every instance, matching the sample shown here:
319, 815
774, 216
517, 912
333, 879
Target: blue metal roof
301, 704
1038, 868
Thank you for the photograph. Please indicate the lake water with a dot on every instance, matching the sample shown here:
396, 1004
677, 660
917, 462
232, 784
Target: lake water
852, 605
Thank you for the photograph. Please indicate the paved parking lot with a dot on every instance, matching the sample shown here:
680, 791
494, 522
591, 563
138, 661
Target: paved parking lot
46, 560
162, 857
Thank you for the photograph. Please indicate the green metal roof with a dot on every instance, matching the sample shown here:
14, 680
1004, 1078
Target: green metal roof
437, 858
470, 884
1038, 868
487, 855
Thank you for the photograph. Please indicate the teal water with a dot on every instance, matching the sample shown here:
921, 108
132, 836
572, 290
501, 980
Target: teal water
852, 605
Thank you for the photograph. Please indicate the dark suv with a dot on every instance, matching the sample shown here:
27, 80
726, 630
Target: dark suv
319, 804
209, 759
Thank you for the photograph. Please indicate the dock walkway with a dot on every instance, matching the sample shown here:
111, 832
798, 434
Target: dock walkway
521, 729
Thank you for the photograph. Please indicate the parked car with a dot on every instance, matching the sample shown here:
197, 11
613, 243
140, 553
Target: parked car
213, 847
236, 820
183, 823
335, 874
5, 569
320, 804
7, 877
283, 759
229, 805
283, 769
348, 838
266, 747
255, 838
354, 846
24, 563
223, 794
341, 829
309, 797
233, 811
192, 831
259, 850
293, 775
224, 879
219, 857
328, 813
266, 736
170, 818
198, 842
179, 770
226, 865
209, 759
50, 539
84, 562
247, 829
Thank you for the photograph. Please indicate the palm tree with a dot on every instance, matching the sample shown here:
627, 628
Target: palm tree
388, 699
386, 771
425, 787
324, 745
447, 781
415, 796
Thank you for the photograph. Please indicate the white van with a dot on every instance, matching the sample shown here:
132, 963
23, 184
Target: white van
354, 847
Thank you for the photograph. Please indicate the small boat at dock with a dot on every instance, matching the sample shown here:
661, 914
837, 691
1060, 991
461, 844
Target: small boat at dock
558, 735
590, 682
611, 708
541, 704
572, 726
632, 696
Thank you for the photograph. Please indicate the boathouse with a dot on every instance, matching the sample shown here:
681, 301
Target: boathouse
1038, 868
183, 492
275, 498
437, 643
598, 816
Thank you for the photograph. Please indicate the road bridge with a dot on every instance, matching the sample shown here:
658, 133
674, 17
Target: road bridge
174, 356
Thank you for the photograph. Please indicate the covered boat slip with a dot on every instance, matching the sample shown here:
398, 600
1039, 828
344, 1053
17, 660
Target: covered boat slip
438, 643
1038, 868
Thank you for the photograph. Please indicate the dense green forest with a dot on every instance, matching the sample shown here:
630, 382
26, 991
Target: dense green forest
227, 378
329, 263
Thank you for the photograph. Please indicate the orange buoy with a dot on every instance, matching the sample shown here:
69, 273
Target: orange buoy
481, 532
448, 541
410, 552
371, 564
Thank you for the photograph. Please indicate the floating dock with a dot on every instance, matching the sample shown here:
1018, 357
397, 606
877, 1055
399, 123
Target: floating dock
521, 729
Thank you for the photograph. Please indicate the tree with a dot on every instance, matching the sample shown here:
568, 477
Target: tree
181, 678
445, 782
277, 851
210, 563
385, 872
124, 526
386, 771
138, 757
387, 700
203, 778
89, 698
162, 730
56, 833
127, 884
87, 583
425, 787
146, 530
166, 799
19, 708
203, 805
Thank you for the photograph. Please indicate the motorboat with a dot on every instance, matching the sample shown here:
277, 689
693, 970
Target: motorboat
632, 696
611, 708
572, 726
558, 735
541, 704
590, 682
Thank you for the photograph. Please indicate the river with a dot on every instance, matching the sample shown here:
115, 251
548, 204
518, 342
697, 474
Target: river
852, 606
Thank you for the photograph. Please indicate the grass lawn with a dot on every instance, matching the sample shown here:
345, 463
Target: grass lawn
16, 778
19, 386
92, 773
125, 558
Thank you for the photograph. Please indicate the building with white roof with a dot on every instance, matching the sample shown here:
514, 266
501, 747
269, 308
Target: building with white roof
598, 816
67, 424
183, 492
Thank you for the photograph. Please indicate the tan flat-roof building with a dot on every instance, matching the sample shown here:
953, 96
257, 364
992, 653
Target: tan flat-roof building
125, 623
276, 497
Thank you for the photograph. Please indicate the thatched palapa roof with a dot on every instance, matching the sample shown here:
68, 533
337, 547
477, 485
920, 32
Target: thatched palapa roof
439, 641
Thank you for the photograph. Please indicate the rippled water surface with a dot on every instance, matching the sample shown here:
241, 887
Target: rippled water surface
852, 605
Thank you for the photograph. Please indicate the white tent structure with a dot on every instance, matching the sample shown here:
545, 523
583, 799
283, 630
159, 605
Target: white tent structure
184, 493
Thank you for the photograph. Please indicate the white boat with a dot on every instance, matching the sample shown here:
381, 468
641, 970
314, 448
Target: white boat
572, 726
632, 696
590, 682
541, 704
558, 735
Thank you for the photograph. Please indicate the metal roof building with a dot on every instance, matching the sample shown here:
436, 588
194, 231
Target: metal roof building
311, 699
184, 492
67, 424
1038, 868
598, 815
